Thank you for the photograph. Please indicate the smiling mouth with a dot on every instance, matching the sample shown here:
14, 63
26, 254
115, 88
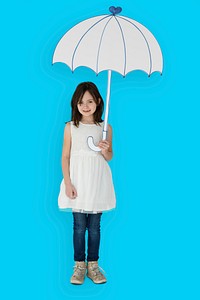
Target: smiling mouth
86, 110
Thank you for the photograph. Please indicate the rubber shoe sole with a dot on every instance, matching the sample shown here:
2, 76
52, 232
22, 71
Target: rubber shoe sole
97, 282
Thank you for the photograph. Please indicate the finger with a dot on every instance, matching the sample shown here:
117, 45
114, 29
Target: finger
104, 142
75, 193
105, 145
100, 146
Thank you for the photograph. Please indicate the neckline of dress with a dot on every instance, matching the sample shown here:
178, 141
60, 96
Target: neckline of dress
88, 124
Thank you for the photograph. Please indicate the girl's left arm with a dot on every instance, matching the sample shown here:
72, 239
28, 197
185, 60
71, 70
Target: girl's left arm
106, 146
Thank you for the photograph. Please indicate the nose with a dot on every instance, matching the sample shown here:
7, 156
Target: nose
85, 105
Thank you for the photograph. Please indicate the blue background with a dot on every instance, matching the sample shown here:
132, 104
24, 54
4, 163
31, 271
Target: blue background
150, 243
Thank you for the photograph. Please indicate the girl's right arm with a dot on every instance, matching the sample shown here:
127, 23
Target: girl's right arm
70, 189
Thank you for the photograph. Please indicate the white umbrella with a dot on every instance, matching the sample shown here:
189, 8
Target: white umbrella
113, 43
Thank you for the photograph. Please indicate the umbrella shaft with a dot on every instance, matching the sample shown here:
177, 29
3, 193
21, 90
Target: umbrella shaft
107, 106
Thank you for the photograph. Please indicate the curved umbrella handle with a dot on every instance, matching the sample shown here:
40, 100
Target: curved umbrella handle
90, 141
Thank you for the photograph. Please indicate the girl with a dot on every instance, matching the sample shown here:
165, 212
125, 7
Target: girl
87, 187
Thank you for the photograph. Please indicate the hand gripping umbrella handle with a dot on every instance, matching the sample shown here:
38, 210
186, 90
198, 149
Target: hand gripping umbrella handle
90, 139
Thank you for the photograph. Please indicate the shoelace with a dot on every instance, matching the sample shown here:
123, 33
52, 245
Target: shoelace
78, 271
97, 269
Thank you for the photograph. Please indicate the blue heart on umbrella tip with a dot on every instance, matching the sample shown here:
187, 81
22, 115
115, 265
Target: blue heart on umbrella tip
115, 10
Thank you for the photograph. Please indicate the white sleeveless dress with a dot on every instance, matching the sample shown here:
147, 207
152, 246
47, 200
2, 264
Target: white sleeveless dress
89, 173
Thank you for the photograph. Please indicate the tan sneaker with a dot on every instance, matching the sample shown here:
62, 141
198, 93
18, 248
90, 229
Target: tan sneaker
94, 273
79, 272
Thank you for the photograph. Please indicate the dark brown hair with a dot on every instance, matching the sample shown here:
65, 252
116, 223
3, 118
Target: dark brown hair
78, 95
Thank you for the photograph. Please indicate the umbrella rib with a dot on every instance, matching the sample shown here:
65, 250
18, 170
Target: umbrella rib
97, 65
83, 37
150, 56
124, 46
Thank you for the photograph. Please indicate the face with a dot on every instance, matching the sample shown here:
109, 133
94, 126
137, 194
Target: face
87, 105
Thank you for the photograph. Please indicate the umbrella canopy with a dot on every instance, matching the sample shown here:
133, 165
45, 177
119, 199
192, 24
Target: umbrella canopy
109, 42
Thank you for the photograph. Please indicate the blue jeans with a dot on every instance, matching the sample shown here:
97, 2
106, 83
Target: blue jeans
91, 222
